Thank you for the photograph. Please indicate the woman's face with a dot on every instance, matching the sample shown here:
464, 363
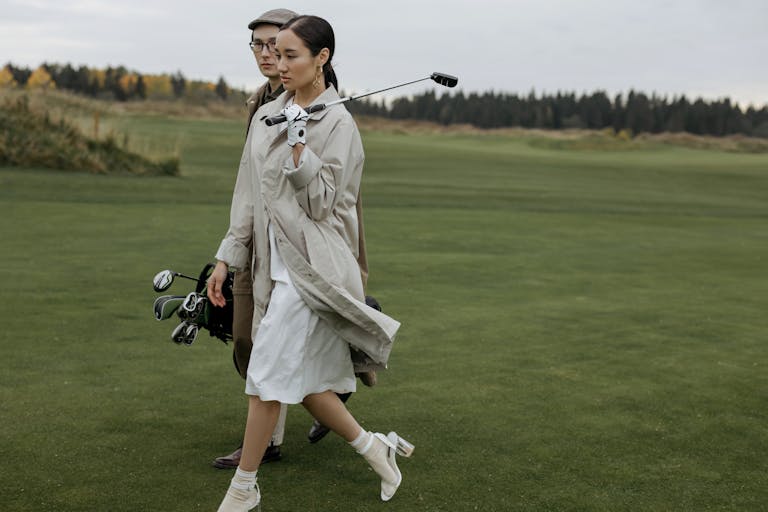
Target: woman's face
295, 62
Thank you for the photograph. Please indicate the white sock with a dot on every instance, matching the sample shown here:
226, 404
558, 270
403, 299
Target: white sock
362, 442
244, 480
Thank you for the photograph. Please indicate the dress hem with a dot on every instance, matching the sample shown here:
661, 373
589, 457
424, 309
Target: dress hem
268, 397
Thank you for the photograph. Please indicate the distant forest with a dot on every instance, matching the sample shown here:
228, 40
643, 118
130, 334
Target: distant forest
634, 113
116, 83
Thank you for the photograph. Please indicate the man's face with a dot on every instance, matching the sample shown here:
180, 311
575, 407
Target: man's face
265, 58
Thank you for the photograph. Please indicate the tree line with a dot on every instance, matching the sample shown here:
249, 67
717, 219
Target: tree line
634, 113
115, 83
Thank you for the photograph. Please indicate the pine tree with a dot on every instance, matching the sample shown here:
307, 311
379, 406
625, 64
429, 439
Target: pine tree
222, 90
141, 88
179, 84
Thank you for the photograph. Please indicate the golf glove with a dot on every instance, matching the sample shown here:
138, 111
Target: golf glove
297, 124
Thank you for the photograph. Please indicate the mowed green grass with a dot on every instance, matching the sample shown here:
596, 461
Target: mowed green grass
581, 331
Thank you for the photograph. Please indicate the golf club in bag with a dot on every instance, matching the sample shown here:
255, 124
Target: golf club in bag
440, 78
194, 310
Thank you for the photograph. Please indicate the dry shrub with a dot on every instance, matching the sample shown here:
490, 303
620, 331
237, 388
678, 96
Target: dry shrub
32, 138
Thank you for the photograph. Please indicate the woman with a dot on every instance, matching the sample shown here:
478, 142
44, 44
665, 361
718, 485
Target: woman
298, 203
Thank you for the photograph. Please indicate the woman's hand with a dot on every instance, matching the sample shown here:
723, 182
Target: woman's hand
297, 124
215, 283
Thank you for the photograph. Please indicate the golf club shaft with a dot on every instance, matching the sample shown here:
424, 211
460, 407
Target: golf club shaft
377, 92
271, 121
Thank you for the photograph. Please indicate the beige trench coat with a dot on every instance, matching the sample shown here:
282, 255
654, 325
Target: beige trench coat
314, 211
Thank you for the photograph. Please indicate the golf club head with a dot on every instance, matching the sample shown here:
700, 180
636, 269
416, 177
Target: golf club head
190, 334
177, 336
185, 333
443, 79
193, 306
163, 280
167, 305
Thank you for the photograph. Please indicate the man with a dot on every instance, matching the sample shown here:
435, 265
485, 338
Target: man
263, 33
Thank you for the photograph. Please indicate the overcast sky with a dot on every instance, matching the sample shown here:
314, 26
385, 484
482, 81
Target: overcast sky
712, 48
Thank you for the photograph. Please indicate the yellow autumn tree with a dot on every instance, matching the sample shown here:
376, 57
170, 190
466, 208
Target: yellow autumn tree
40, 79
6, 78
99, 75
199, 90
158, 86
128, 84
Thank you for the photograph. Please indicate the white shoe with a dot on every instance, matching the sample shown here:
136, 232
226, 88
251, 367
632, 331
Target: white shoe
380, 453
241, 500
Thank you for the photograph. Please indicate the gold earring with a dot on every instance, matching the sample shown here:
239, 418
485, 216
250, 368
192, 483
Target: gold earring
316, 83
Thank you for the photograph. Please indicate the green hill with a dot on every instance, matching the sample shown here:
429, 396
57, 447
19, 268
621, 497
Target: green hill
32, 138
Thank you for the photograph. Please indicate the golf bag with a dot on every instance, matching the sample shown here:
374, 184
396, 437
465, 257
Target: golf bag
194, 309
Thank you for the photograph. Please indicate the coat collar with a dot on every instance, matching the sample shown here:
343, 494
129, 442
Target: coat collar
273, 108
327, 96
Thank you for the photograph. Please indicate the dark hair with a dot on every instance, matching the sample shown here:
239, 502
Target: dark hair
316, 34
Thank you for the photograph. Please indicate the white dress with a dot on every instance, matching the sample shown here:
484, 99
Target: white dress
295, 353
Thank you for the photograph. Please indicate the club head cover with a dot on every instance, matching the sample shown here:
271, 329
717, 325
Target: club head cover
166, 305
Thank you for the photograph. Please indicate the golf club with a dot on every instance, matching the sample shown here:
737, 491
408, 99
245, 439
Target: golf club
192, 306
178, 333
185, 333
194, 310
440, 78
190, 334
164, 279
167, 305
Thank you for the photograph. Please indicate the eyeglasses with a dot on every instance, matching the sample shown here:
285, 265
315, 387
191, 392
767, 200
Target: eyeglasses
258, 46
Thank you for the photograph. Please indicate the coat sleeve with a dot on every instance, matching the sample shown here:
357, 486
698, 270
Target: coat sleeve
234, 247
320, 180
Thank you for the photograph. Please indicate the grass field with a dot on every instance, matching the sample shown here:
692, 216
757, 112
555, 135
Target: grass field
582, 330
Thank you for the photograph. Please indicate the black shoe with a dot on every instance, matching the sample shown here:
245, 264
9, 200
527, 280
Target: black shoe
272, 454
317, 432
232, 461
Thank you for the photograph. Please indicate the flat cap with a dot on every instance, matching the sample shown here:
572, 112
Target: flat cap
274, 17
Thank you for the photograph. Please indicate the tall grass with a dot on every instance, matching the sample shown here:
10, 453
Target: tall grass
33, 138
